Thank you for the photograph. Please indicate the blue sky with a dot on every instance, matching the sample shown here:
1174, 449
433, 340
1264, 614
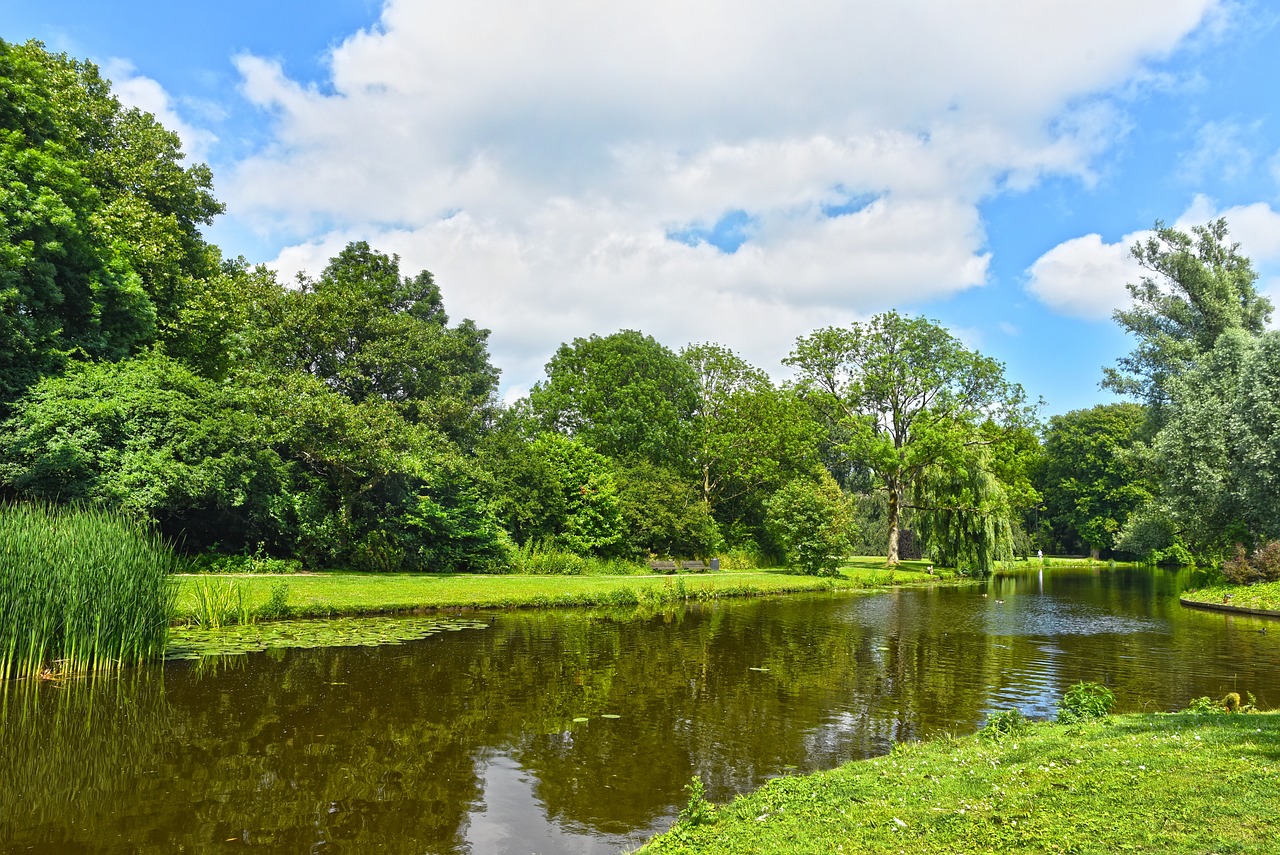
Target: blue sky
727, 171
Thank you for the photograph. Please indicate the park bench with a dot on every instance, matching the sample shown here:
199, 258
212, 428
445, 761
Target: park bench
667, 565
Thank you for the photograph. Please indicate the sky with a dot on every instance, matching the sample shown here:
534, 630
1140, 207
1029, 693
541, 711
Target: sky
736, 171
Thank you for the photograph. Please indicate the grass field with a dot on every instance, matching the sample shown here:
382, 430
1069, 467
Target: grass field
1166, 783
1262, 595
332, 594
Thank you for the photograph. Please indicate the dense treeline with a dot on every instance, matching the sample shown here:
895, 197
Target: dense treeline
343, 420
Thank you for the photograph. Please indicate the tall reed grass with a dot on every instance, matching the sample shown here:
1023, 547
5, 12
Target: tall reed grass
80, 590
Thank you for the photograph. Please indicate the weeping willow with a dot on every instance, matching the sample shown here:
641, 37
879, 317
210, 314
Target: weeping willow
963, 515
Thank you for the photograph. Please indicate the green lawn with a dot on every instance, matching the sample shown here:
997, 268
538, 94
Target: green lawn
1156, 783
330, 594
1262, 595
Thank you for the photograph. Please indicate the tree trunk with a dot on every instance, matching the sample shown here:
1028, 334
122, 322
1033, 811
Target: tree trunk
1093, 553
893, 524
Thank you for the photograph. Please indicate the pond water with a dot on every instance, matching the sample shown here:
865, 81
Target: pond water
575, 732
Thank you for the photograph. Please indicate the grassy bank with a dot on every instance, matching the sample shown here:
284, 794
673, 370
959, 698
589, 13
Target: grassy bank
1180, 783
1261, 595
331, 594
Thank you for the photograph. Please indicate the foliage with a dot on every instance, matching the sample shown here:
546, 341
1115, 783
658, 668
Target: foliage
906, 395
698, 811
151, 439
372, 334
80, 589
1091, 476
964, 516
1262, 565
100, 248
1084, 701
1004, 724
748, 438
625, 395
1199, 288
813, 522
662, 514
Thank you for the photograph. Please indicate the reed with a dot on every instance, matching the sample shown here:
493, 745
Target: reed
81, 589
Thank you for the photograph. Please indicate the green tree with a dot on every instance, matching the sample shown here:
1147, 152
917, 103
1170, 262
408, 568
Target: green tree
813, 522
662, 513
1200, 287
1092, 475
150, 438
966, 518
625, 395
906, 396
372, 334
100, 247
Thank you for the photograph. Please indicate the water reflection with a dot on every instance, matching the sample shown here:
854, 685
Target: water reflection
474, 742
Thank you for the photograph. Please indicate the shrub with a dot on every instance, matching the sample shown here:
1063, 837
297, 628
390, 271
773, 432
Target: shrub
1084, 701
1003, 724
698, 811
1261, 566
80, 589
813, 523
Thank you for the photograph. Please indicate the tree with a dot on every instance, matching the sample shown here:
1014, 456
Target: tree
813, 522
909, 396
372, 334
1092, 475
966, 519
625, 395
1200, 287
100, 247
747, 437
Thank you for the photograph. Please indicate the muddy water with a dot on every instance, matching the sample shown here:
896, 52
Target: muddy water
575, 732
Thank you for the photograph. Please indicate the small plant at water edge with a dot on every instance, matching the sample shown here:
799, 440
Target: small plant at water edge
1005, 723
1084, 701
698, 811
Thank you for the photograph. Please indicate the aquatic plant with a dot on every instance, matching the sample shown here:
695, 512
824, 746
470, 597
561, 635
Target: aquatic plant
80, 589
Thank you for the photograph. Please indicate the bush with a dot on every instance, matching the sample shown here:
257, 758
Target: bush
813, 523
1085, 701
1262, 566
1003, 724
82, 588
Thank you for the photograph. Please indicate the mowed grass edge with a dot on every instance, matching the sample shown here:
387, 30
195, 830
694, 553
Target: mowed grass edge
339, 594
1168, 783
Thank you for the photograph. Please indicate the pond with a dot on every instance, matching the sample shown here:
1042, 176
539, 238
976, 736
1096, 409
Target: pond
575, 731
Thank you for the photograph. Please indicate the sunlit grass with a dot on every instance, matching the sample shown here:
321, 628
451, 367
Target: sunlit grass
330, 594
1263, 596
1182, 783
80, 589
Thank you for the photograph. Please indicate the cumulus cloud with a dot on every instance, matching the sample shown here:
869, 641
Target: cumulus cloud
544, 161
1085, 277
136, 90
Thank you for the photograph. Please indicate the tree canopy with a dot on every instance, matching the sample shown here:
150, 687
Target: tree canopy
906, 395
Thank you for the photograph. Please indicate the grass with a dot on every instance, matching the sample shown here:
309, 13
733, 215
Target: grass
80, 590
1169, 783
1260, 595
333, 594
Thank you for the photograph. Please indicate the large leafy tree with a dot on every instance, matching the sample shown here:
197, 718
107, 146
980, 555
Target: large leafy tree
1092, 474
626, 395
748, 438
371, 333
1198, 287
907, 396
100, 248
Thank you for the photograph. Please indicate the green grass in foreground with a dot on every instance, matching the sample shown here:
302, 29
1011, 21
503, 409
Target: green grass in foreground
1166, 783
331, 594
1261, 595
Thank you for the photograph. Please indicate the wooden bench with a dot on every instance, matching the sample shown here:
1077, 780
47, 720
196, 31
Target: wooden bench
667, 565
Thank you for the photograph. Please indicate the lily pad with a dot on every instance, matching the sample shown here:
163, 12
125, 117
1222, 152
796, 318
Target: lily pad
609, 715
186, 643
580, 719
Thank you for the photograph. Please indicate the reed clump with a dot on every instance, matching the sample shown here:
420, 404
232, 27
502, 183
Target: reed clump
81, 589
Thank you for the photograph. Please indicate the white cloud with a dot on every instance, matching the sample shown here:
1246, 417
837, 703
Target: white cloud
1085, 277
537, 157
135, 90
